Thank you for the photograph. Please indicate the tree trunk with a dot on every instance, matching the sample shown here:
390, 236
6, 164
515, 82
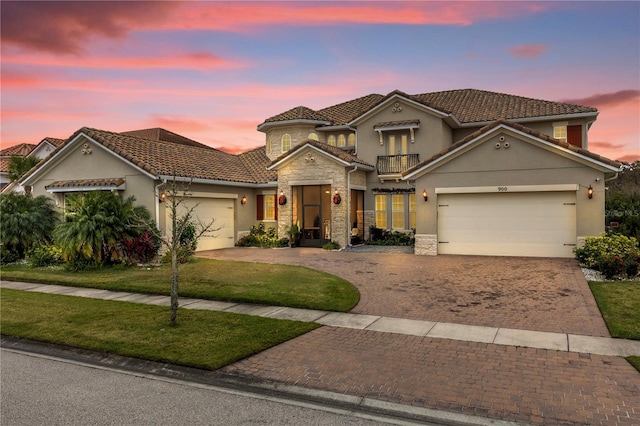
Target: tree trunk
174, 288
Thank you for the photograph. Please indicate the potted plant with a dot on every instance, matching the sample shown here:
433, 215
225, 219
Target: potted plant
294, 235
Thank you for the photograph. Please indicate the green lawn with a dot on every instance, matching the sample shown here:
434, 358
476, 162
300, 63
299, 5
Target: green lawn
250, 282
619, 303
202, 339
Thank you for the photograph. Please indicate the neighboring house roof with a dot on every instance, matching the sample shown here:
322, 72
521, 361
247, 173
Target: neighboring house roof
466, 105
54, 141
333, 151
166, 158
160, 134
257, 161
515, 126
21, 150
298, 113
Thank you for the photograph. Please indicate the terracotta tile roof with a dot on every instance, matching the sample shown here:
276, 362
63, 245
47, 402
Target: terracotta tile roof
159, 157
466, 105
257, 162
4, 165
160, 134
298, 113
396, 123
21, 150
86, 183
55, 141
473, 106
343, 155
520, 128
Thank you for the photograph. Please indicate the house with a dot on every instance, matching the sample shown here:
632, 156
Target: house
39, 151
471, 171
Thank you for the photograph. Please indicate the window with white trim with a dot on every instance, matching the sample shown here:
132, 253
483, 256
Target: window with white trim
560, 131
381, 211
269, 207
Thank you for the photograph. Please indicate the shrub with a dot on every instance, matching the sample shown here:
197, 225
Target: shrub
612, 255
331, 245
7, 256
384, 237
141, 249
45, 255
261, 236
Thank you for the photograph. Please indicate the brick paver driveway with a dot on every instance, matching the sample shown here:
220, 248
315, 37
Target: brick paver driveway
503, 382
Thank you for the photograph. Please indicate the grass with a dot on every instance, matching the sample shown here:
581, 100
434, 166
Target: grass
619, 303
249, 282
202, 339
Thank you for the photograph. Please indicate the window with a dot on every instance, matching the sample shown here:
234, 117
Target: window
397, 211
342, 141
381, 211
268, 146
351, 140
266, 207
560, 131
286, 142
397, 144
332, 140
313, 136
412, 211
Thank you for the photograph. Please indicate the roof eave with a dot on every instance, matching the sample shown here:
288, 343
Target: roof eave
266, 125
167, 178
593, 114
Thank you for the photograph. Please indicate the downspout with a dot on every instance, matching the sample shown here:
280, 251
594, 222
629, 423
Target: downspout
156, 193
349, 203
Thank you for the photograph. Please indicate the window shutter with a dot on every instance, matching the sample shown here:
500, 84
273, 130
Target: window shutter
574, 135
275, 207
259, 207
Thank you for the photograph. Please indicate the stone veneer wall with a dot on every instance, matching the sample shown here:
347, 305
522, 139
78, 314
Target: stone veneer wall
299, 134
314, 168
426, 244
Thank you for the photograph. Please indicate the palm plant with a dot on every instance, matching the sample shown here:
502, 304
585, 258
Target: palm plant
18, 166
96, 224
25, 222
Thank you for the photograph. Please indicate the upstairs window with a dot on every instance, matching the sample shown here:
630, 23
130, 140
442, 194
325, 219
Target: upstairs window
286, 142
342, 141
560, 131
331, 140
313, 136
351, 140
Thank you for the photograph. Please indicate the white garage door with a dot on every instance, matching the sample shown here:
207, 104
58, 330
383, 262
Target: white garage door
539, 224
222, 211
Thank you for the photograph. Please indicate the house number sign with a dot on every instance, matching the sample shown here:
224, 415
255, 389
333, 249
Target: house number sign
502, 189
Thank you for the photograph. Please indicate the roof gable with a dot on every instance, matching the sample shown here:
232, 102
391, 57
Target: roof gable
340, 155
457, 148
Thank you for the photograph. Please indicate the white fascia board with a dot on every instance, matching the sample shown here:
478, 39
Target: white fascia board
169, 178
265, 126
512, 188
285, 159
394, 98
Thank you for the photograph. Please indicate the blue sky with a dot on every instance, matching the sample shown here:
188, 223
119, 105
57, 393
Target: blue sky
213, 71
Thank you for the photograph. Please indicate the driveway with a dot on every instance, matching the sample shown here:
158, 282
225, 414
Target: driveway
524, 385
541, 294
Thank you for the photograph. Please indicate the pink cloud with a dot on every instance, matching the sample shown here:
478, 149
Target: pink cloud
605, 145
196, 60
528, 51
66, 27
601, 100
629, 158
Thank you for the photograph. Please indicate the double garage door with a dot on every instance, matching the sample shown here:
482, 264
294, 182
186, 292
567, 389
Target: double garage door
223, 212
539, 224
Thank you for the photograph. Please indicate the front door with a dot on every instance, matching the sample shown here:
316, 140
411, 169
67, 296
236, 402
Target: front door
316, 215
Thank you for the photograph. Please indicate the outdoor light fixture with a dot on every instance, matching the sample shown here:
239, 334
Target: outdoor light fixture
243, 201
162, 196
424, 195
590, 192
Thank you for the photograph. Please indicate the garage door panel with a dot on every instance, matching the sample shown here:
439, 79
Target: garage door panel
507, 224
222, 210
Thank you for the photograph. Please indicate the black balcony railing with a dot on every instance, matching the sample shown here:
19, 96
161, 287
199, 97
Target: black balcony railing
392, 164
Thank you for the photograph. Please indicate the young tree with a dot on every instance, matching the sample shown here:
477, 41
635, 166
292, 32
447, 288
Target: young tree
186, 230
25, 222
19, 165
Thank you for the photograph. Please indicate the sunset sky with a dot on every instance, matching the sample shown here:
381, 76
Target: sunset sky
213, 71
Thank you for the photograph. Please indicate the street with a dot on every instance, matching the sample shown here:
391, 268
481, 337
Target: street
37, 390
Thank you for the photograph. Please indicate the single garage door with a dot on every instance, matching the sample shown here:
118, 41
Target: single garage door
222, 211
539, 224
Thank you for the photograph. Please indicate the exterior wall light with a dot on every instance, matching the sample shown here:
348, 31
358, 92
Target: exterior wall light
590, 192
243, 200
424, 195
162, 196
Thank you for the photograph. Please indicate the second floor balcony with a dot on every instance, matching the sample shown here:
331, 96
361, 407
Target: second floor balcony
396, 164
